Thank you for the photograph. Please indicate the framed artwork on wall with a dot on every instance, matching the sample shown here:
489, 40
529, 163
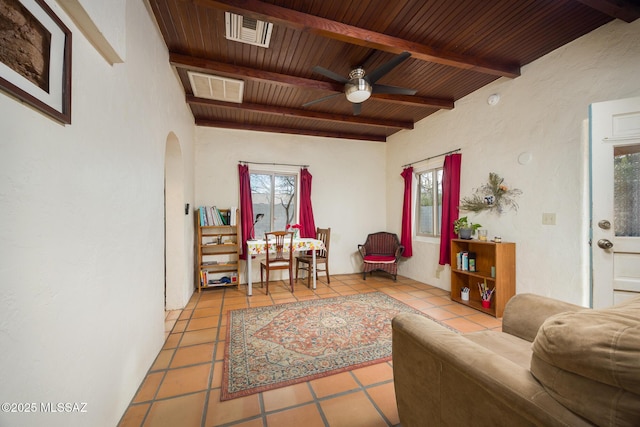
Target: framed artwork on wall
35, 57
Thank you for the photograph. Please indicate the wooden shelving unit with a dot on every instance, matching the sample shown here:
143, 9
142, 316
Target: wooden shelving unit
502, 256
217, 253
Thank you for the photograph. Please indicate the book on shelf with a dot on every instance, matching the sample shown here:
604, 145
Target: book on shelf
466, 261
203, 215
211, 215
221, 218
215, 217
216, 279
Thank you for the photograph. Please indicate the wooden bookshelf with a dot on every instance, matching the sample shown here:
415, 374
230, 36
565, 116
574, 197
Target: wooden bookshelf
502, 256
217, 252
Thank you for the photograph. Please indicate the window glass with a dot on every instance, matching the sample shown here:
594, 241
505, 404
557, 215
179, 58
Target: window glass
626, 181
274, 195
429, 202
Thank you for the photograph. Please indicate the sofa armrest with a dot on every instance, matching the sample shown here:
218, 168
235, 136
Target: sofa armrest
525, 313
398, 252
442, 378
363, 250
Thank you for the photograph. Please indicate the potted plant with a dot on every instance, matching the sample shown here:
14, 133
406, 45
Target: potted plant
465, 229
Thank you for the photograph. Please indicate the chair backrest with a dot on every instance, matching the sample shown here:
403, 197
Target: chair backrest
381, 243
323, 234
279, 240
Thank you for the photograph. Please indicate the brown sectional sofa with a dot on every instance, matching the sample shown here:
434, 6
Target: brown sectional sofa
553, 364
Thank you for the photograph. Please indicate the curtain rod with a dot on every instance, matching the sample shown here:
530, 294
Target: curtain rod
272, 164
432, 157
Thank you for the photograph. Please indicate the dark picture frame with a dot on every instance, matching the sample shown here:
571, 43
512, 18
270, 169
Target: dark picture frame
47, 86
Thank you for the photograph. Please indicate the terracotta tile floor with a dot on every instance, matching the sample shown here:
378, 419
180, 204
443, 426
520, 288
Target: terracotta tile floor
182, 387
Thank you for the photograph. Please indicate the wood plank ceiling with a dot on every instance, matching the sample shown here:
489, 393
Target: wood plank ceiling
456, 46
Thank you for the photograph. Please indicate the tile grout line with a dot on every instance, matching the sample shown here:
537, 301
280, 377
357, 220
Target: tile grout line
316, 401
371, 400
151, 401
402, 291
207, 393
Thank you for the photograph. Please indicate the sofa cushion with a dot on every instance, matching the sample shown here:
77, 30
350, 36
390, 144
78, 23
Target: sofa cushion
590, 361
380, 259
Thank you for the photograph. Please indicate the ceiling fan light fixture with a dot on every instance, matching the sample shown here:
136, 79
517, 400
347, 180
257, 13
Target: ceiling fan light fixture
357, 90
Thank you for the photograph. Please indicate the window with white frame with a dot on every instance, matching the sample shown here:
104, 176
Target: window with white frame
429, 202
274, 194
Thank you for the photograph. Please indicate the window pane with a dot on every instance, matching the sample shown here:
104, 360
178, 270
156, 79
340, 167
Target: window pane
626, 182
429, 205
439, 204
273, 195
261, 198
425, 205
284, 211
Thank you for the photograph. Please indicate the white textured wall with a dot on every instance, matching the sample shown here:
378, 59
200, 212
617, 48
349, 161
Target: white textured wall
81, 231
103, 23
348, 187
542, 112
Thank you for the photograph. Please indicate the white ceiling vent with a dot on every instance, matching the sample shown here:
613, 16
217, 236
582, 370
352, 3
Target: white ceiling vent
247, 30
215, 87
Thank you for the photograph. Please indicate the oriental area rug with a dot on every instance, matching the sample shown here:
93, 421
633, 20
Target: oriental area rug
276, 346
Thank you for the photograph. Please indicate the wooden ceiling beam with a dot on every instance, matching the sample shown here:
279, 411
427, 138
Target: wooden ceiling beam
205, 65
625, 10
413, 101
272, 129
296, 113
358, 36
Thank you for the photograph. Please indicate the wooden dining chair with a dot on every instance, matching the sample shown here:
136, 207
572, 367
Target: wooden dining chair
322, 257
276, 257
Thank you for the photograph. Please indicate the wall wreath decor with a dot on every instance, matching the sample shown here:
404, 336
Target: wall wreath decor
492, 196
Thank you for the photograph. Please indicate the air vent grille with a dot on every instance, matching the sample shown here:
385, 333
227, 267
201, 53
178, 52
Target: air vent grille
216, 87
247, 30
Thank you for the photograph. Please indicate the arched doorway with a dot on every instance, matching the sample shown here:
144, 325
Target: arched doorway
175, 286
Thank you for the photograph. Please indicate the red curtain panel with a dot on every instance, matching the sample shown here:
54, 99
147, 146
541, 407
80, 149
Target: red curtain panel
246, 207
306, 210
405, 236
450, 203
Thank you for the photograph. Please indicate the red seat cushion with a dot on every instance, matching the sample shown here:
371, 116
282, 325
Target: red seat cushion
380, 259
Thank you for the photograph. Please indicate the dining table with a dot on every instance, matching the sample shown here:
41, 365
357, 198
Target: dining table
301, 244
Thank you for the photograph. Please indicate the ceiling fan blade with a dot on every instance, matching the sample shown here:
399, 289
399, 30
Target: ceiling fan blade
330, 74
394, 90
324, 98
379, 72
357, 109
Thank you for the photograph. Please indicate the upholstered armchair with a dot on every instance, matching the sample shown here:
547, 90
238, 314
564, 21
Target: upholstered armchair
381, 251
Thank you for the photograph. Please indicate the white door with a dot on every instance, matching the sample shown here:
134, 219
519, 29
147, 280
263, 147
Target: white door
615, 201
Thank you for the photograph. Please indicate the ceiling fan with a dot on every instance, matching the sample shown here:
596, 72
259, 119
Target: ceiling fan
359, 86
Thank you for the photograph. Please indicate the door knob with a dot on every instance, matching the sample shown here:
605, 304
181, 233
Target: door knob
605, 244
604, 224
